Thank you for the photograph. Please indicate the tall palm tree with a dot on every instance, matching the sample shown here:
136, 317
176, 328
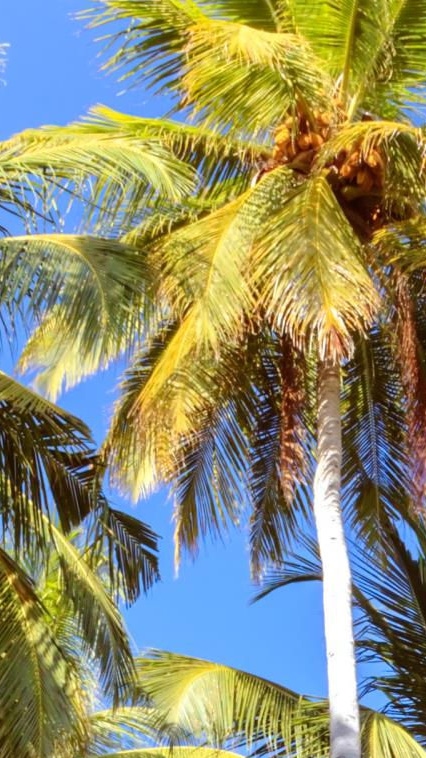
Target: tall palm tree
281, 286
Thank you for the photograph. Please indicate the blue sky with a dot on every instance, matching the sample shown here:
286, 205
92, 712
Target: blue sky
53, 76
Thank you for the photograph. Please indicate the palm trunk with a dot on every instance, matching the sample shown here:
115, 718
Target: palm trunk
337, 592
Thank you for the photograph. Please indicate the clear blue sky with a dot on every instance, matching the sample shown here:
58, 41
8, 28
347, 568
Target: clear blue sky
53, 76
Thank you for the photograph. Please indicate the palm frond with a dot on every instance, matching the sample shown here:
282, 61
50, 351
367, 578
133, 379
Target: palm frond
132, 551
90, 295
383, 737
376, 478
253, 73
111, 170
309, 271
218, 703
215, 157
40, 702
99, 622
44, 452
392, 627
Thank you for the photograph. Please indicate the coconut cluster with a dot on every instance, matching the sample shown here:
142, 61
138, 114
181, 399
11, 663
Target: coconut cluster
299, 138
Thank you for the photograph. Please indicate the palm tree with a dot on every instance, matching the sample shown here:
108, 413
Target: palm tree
285, 289
225, 707
231, 708
390, 596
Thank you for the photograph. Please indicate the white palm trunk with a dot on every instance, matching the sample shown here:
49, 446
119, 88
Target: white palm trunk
337, 593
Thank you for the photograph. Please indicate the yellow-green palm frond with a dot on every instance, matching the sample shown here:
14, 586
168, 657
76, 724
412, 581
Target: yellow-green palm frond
239, 442
180, 751
215, 157
89, 293
133, 725
381, 737
218, 703
252, 72
402, 245
308, 269
374, 52
228, 707
41, 705
98, 620
112, 170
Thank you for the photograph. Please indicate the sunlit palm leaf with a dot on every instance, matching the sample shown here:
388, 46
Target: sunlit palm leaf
90, 294
98, 619
112, 170
230, 707
217, 702
252, 72
309, 271
40, 703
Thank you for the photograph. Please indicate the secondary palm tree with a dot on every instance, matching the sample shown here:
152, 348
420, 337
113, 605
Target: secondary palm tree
296, 264
229, 707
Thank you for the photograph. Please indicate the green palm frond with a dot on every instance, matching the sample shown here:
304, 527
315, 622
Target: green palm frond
89, 293
254, 73
309, 271
99, 622
383, 737
216, 702
133, 725
215, 157
180, 751
228, 707
112, 170
231, 460
42, 708
44, 452
132, 550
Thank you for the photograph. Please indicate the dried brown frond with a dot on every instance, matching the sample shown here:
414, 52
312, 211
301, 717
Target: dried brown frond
292, 463
414, 383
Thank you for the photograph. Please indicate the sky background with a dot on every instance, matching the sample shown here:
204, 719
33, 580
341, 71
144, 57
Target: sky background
53, 76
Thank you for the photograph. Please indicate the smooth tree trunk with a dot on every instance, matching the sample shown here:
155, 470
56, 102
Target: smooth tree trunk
345, 739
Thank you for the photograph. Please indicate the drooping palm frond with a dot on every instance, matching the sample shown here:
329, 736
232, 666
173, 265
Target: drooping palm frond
309, 271
376, 471
42, 708
392, 598
215, 157
132, 551
44, 452
90, 295
228, 707
111, 169
218, 703
136, 725
98, 620
389, 593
